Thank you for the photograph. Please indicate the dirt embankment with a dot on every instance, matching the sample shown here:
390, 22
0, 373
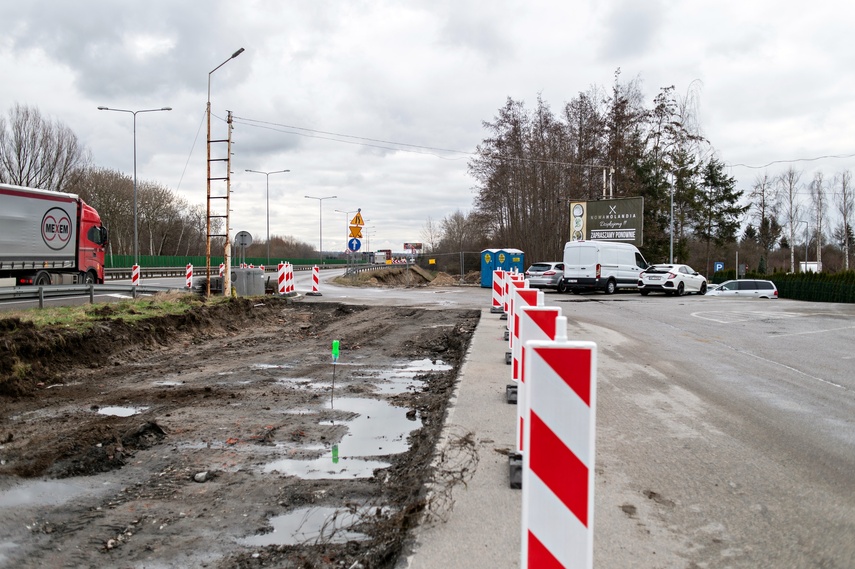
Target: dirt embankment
182, 441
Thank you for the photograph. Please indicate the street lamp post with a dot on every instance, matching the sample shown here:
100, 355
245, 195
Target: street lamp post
807, 236
346, 232
267, 175
136, 239
227, 248
321, 223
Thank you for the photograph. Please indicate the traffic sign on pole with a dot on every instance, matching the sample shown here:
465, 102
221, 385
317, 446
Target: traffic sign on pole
354, 244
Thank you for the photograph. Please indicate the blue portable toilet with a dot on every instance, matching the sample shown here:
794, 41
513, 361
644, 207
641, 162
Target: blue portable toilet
505, 259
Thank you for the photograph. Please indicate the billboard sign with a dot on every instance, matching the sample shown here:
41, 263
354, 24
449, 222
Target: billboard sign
608, 220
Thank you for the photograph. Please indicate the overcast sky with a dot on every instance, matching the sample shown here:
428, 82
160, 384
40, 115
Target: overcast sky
776, 83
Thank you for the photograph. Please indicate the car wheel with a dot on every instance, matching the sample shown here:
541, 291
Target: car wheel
681, 289
644, 292
611, 287
703, 289
562, 288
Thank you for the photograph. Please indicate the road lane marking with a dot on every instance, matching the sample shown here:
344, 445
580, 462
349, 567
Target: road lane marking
725, 317
813, 332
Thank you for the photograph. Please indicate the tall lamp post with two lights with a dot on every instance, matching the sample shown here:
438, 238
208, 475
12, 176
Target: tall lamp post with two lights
267, 175
321, 223
136, 238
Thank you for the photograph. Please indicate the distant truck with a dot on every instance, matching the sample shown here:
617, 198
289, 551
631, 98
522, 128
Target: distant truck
383, 256
49, 238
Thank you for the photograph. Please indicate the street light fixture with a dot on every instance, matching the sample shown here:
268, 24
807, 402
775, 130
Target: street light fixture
227, 248
267, 175
321, 223
136, 239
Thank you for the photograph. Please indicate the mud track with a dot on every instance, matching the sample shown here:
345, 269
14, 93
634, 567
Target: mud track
180, 441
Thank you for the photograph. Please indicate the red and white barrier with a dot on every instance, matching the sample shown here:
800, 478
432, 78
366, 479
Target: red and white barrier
316, 277
135, 275
513, 286
558, 464
520, 298
281, 277
290, 278
536, 322
189, 275
222, 270
498, 291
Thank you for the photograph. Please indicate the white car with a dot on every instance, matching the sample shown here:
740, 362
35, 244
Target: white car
671, 279
745, 288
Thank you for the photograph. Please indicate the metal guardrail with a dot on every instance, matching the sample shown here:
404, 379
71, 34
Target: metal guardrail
363, 268
56, 291
152, 272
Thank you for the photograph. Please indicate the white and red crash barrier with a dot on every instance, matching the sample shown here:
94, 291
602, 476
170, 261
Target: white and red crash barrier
316, 278
222, 269
498, 291
188, 275
537, 323
509, 279
280, 273
290, 287
135, 275
520, 297
558, 463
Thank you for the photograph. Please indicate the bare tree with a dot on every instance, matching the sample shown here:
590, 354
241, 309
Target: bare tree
844, 199
38, 153
817, 195
788, 184
431, 235
764, 200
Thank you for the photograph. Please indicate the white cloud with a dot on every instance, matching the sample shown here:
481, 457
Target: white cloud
775, 75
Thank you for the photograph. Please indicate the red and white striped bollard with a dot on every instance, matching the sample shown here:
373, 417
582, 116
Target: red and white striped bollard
316, 276
281, 277
135, 275
188, 274
558, 463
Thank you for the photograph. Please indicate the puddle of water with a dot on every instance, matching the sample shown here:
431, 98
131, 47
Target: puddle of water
309, 525
121, 411
45, 492
378, 429
400, 379
324, 467
270, 366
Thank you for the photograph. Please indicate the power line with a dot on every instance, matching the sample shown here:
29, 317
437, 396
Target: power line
834, 156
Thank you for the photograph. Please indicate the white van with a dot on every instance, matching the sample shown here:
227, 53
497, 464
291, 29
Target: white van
601, 265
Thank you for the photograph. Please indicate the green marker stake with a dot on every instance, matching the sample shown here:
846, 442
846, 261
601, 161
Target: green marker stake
335, 350
335, 454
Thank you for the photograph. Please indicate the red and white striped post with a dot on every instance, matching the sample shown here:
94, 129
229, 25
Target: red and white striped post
316, 276
521, 297
281, 276
498, 291
222, 269
188, 274
558, 463
135, 275
533, 323
512, 285
291, 287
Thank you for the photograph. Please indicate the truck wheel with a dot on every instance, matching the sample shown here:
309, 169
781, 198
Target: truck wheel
88, 278
611, 287
42, 279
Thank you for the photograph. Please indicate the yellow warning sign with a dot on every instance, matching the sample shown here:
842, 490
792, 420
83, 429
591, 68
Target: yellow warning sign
357, 219
356, 232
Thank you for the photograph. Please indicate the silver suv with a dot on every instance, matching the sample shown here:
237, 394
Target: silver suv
745, 288
545, 275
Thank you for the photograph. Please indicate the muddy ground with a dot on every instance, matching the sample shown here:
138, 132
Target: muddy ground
194, 441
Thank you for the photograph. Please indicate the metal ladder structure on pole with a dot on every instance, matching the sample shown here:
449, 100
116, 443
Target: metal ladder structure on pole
215, 206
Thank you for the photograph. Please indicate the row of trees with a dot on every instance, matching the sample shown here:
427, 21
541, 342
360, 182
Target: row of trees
41, 153
533, 163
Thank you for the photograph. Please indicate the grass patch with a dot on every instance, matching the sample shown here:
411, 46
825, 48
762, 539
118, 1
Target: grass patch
131, 310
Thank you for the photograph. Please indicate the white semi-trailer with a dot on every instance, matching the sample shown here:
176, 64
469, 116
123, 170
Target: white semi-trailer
49, 238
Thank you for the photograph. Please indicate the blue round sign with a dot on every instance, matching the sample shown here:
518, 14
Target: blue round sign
354, 244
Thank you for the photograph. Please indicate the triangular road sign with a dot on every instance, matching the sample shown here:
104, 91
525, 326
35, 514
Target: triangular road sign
357, 219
